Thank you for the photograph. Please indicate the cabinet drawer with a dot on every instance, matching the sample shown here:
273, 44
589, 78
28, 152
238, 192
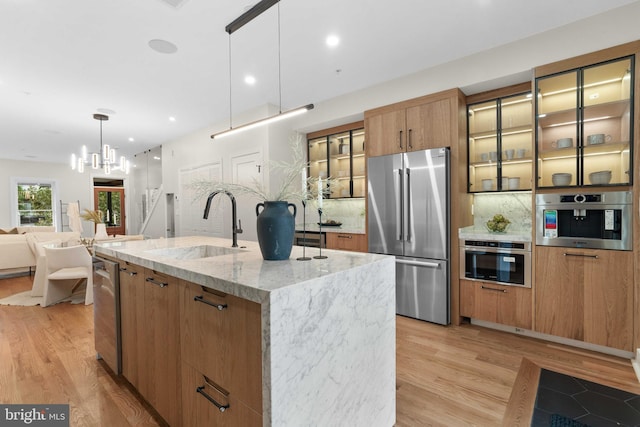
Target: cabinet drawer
221, 337
507, 305
347, 242
202, 399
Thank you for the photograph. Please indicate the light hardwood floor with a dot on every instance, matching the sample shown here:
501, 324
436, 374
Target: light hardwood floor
453, 376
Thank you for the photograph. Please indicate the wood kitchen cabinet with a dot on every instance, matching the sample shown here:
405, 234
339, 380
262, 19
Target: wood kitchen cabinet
131, 320
507, 305
584, 124
500, 141
347, 242
586, 295
150, 338
411, 126
339, 153
221, 356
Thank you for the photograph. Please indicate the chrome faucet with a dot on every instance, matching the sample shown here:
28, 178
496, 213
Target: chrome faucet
234, 215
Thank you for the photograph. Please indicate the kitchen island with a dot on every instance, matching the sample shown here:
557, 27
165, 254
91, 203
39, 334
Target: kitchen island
327, 327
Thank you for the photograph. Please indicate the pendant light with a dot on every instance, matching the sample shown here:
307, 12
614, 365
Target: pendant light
105, 158
238, 23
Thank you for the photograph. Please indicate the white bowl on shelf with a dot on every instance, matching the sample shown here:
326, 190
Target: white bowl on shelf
600, 177
560, 179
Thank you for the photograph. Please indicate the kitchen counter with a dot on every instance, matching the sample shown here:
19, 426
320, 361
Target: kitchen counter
328, 326
479, 233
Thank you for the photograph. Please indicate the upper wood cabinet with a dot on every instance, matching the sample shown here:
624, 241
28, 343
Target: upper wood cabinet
584, 119
339, 153
413, 125
585, 295
500, 140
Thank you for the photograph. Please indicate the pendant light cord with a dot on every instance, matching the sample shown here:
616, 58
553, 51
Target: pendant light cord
279, 66
230, 110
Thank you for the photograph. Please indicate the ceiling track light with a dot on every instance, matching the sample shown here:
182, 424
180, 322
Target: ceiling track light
238, 23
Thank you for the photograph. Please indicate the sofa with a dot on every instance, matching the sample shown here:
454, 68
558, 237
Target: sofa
17, 249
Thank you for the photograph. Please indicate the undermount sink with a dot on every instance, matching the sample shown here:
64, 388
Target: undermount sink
195, 252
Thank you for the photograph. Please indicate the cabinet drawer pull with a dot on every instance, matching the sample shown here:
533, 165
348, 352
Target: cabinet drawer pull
493, 289
155, 282
220, 407
200, 298
130, 273
344, 236
581, 255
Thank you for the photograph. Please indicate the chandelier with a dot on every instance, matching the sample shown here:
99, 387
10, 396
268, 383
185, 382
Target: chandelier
105, 158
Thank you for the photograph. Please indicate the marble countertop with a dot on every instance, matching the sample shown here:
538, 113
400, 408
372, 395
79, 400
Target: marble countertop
241, 272
479, 233
331, 229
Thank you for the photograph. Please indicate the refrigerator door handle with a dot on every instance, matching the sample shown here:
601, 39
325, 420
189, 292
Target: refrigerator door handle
407, 197
419, 263
399, 210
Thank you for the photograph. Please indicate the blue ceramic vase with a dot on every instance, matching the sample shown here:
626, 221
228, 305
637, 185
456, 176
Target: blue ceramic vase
276, 225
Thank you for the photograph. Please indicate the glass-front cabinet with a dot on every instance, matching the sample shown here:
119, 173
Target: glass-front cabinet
584, 122
500, 144
339, 156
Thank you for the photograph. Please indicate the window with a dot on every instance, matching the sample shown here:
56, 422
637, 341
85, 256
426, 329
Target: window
33, 202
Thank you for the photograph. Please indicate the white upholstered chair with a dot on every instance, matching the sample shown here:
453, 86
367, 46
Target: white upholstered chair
39, 278
67, 268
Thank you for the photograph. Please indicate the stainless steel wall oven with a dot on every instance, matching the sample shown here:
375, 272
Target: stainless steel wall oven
507, 263
589, 220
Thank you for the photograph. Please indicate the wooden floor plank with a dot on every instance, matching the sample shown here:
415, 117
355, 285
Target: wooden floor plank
446, 376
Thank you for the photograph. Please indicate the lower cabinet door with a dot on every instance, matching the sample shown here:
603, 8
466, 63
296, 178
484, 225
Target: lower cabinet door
222, 338
205, 403
507, 305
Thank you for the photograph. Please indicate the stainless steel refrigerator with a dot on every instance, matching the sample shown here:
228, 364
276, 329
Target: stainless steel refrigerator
408, 209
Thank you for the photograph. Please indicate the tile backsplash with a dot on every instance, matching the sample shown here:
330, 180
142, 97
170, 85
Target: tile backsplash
516, 207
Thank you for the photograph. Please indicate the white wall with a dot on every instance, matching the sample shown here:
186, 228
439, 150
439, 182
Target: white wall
71, 186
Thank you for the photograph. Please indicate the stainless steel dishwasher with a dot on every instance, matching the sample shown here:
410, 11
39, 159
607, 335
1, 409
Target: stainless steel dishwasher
106, 313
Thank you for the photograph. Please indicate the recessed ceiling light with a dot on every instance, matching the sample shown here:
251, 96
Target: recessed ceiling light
131, 139
333, 40
172, 119
162, 46
250, 80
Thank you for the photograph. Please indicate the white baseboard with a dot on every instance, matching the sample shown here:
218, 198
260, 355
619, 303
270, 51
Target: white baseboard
636, 364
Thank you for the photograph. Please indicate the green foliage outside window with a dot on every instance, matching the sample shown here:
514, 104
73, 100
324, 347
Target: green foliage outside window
35, 205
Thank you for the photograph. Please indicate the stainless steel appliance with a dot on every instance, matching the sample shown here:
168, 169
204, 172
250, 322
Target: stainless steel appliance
585, 220
408, 208
106, 313
507, 263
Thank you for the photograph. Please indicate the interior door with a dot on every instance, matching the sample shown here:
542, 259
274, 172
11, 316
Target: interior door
110, 200
246, 170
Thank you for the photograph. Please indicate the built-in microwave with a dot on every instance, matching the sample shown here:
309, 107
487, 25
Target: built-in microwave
589, 220
507, 263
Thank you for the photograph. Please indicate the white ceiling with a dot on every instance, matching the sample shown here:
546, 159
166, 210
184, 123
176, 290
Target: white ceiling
63, 60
